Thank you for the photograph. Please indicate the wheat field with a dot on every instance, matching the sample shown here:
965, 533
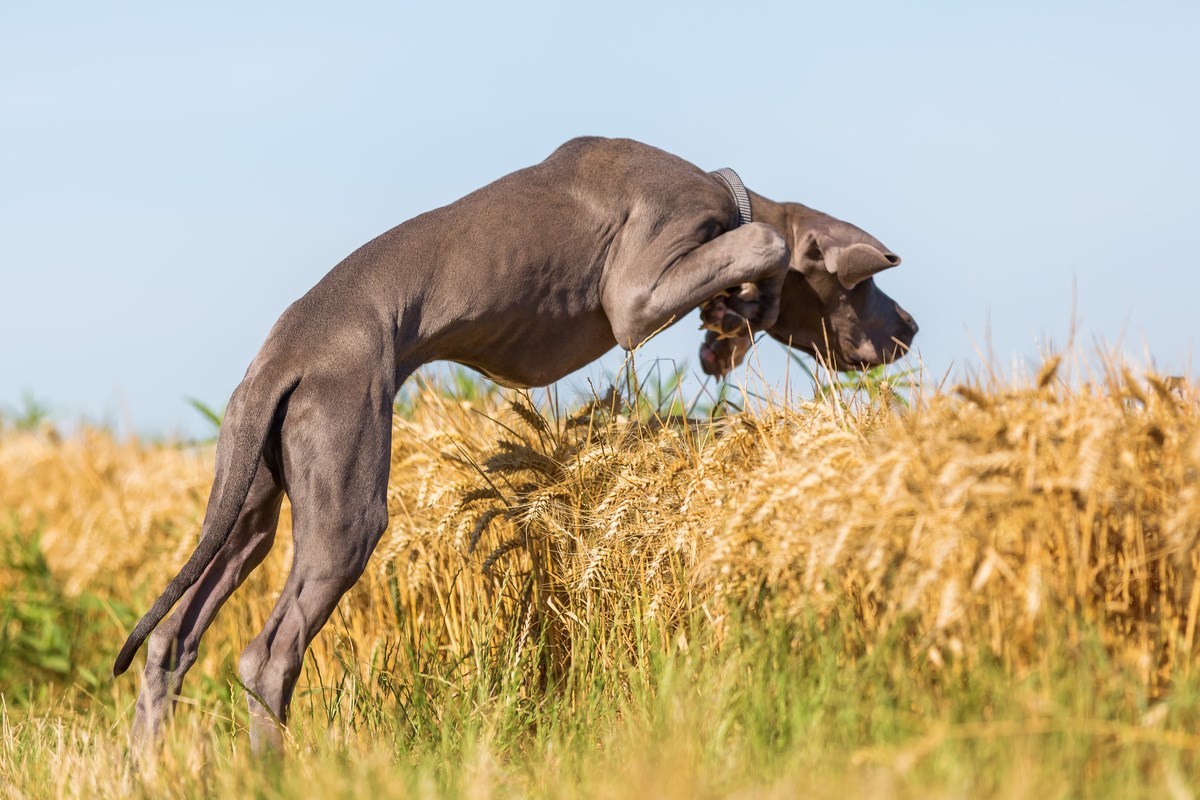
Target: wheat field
985, 590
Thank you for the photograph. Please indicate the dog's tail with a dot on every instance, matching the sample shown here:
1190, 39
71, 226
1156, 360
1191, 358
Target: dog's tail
244, 431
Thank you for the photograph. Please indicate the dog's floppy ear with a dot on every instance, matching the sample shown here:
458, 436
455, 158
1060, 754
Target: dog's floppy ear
855, 263
844, 250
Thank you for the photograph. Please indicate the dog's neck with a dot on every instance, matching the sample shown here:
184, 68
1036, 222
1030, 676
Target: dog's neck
768, 211
790, 219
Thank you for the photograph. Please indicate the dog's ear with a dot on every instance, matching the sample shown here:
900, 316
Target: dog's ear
840, 249
855, 263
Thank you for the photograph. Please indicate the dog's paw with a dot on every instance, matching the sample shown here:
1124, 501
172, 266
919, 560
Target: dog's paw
717, 316
741, 310
756, 303
719, 355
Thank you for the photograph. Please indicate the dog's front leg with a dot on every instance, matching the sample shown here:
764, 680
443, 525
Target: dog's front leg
644, 295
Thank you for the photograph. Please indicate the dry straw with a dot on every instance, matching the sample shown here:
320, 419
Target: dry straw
989, 521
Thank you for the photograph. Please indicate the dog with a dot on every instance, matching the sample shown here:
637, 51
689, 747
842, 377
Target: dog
533, 276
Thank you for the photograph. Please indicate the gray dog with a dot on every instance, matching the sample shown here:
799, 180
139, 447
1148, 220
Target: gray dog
525, 280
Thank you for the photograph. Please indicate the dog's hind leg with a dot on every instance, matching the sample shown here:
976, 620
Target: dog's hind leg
336, 449
174, 644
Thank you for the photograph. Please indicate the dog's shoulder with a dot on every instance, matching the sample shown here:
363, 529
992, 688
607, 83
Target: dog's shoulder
598, 145
635, 180
625, 152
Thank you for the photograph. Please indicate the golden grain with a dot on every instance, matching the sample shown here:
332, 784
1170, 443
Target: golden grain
980, 520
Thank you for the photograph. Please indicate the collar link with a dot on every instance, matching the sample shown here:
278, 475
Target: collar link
738, 190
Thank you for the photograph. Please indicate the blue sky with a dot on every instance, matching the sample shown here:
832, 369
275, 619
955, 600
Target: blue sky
171, 177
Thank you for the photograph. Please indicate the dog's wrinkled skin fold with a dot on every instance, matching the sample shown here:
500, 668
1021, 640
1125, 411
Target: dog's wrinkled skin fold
525, 280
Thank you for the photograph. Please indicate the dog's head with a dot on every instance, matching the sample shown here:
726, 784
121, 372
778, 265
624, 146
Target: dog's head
829, 303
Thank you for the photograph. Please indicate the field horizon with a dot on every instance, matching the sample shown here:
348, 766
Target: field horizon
986, 589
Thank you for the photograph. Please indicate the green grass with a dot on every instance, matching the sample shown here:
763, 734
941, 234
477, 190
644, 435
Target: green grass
30, 416
722, 700
769, 709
